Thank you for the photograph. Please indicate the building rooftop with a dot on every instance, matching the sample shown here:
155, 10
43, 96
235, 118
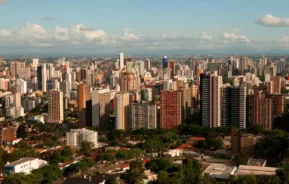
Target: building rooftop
20, 161
256, 162
220, 171
194, 138
94, 179
255, 170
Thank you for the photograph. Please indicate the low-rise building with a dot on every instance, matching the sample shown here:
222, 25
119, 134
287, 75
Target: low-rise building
24, 165
257, 162
220, 171
255, 170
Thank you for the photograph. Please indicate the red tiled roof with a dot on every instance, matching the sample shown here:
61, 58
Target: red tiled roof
124, 166
187, 146
194, 138
146, 160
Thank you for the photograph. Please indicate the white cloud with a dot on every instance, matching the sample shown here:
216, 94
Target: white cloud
5, 33
61, 34
129, 36
81, 39
234, 37
31, 31
205, 36
3, 1
272, 21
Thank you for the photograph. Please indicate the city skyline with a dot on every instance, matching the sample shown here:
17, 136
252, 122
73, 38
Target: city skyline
109, 27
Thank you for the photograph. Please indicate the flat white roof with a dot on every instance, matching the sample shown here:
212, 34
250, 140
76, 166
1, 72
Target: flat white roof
220, 170
255, 170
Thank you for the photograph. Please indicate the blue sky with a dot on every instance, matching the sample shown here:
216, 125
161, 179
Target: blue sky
109, 26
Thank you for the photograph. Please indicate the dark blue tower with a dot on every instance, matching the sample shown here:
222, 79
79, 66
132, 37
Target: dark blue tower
165, 62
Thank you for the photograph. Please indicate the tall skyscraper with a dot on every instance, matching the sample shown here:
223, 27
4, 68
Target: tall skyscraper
281, 66
260, 110
170, 114
101, 108
210, 89
172, 66
82, 95
186, 103
51, 71
15, 67
234, 106
39, 77
129, 81
121, 101
55, 106
121, 61
278, 105
65, 88
44, 78
165, 62
142, 115
148, 65
35, 62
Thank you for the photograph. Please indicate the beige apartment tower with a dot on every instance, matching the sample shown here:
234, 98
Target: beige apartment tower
55, 106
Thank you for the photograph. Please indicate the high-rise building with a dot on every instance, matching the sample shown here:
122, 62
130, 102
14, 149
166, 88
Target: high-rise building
51, 71
44, 78
210, 90
55, 106
260, 110
88, 114
82, 95
7, 132
234, 106
65, 88
15, 67
278, 102
274, 85
142, 115
121, 101
141, 67
121, 61
35, 62
165, 62
148, 64
101, 108
186, 103
281, 66
170, 111
129, 81
76, 136
172, 66
39, 77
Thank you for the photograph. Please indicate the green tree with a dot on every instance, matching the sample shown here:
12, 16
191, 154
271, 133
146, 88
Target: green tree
160, 164
191, 171
21, 131
135, 173
111, 181
162, 177
85, 146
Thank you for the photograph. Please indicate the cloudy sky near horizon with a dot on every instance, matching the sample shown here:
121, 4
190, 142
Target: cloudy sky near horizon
109, 26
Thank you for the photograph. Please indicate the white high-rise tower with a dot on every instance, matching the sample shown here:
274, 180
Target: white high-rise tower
121, 60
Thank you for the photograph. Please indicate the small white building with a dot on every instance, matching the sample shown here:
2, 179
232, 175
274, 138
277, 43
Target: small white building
24, 165
76, 136
220, 171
